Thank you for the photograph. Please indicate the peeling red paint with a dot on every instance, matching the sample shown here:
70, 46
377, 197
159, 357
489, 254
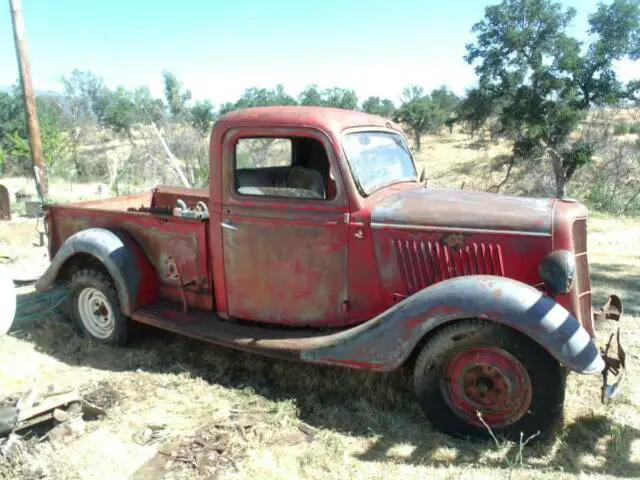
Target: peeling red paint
378, 262
358, 364
489, 381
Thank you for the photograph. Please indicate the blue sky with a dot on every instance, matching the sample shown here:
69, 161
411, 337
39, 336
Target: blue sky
219, 47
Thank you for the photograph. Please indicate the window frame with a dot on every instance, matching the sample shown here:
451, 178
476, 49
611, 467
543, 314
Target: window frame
235, 149
232, 138
354, 177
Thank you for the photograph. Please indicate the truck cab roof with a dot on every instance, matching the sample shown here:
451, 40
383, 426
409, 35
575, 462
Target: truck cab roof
331, 120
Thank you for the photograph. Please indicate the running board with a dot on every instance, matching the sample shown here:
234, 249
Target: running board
207, 326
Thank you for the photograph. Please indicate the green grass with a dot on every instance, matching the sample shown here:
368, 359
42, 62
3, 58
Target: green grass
625, 128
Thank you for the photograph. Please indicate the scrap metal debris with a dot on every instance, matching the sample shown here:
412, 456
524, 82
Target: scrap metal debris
38, 416
216, 447
57, 416
211, 449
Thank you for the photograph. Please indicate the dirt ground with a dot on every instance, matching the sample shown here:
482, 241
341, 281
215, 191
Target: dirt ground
178, 408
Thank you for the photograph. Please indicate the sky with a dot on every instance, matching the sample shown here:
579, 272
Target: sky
217, 48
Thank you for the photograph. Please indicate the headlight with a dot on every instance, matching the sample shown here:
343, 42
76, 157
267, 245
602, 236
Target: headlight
557, 271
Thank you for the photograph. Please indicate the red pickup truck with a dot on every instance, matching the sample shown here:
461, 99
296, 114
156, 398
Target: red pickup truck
317, 241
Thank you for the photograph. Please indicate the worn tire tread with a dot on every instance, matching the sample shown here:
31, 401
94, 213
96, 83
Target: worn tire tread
546, 373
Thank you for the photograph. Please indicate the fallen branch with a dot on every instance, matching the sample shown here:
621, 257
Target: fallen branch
496, 188
628, 203
175, 164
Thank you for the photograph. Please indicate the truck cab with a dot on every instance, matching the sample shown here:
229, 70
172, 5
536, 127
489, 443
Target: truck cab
324, 220
317, 241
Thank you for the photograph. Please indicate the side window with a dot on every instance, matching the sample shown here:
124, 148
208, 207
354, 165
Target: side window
295, 167
254, 153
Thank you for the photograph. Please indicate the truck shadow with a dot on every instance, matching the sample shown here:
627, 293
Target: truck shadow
588, 444
379, 407
608, 278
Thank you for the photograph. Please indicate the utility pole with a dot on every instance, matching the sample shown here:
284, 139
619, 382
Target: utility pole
33, 128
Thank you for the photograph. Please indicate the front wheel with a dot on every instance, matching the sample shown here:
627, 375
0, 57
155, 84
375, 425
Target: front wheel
477, 372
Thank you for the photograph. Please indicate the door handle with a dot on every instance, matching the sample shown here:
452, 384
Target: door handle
228, 224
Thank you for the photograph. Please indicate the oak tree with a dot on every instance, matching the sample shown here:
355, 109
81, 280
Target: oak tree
539, 82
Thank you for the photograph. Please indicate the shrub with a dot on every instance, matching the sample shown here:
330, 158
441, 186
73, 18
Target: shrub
621, 129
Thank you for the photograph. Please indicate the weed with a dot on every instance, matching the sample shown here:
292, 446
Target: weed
506, 446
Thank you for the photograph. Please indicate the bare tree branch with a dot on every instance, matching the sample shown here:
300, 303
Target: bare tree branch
175, 163
496, 188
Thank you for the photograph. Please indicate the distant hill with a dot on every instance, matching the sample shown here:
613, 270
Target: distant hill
53, 93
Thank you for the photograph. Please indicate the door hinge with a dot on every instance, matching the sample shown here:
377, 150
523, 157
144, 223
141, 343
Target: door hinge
345, 305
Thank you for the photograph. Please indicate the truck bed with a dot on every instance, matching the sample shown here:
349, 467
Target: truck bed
172, 244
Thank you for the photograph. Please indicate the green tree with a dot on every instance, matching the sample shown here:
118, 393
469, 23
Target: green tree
84, 105
445, 99
11, 117
12, 124
311, 96
377, 106
86, 97
176, 97
260, 97
420, 113
280, 97
148, 109
120, 113
340, 98
475, 109
56, 147
539, 82
202, 116
633, 91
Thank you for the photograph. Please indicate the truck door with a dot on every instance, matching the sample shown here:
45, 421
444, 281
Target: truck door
284, 228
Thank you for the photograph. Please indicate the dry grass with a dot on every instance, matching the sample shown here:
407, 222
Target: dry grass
474, 162
58, 190
364, 425
458, 160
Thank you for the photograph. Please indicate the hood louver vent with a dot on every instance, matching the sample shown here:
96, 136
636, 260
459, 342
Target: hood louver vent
423, 263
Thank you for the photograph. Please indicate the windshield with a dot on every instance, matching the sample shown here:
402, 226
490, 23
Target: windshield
378, 159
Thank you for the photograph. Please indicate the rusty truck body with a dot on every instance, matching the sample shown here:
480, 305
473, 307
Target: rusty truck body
316, 240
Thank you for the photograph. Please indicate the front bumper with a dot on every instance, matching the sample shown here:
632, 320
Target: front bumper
615, 364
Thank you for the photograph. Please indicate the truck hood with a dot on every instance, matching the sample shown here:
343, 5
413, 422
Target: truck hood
459, 209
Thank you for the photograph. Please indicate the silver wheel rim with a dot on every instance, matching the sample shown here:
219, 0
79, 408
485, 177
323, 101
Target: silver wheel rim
96, 313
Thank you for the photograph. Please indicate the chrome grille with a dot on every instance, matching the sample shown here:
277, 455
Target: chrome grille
583, 284
423, 263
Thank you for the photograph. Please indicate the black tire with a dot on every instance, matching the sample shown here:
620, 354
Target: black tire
91, 282
448, 405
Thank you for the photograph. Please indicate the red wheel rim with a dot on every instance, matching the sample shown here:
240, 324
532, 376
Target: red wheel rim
489, 381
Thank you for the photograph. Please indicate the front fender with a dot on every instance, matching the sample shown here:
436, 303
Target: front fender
386, 341
133, 276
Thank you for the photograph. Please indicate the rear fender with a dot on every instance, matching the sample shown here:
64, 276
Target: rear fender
133, 275
386, 341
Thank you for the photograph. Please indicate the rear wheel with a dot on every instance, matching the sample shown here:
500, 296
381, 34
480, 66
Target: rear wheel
95, 308
478, 371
